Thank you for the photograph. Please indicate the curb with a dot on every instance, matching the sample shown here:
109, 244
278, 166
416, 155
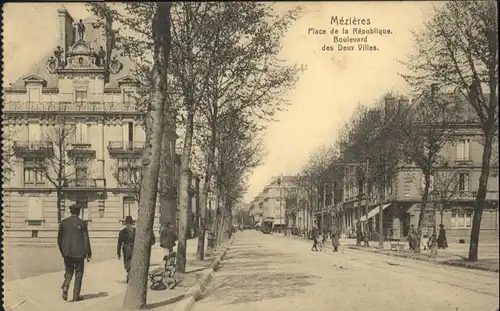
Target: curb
194, 293
465, 265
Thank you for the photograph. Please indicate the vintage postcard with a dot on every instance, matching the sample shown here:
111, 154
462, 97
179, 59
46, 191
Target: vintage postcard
250, 156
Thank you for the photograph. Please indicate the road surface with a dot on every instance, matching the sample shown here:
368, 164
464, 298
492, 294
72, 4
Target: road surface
267, 272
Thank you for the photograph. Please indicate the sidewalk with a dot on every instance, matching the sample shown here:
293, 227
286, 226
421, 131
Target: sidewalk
103, 286
454, 255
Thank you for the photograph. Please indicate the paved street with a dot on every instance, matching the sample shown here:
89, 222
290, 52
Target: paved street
268, 272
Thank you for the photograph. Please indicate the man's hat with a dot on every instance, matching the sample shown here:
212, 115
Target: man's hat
75, 207
441, 226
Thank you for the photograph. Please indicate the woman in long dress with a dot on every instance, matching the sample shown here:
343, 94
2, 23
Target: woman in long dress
442, 242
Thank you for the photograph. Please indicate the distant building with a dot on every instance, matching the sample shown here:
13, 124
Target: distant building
456, 185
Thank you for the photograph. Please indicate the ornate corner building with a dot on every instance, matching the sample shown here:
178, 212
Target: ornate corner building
76, 136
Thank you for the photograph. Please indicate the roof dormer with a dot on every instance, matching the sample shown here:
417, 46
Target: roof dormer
128, 82
34, 80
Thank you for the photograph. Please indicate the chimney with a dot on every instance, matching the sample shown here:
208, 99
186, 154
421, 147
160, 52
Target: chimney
65, 28
434, 89
390, 102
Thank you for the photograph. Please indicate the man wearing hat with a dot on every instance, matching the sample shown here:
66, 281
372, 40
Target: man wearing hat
74, 244
125, 245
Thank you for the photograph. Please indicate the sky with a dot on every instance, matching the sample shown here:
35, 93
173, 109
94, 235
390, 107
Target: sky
323, 98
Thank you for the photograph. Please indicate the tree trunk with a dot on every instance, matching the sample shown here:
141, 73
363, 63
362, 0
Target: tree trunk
59, 203
136, 295
200, 251
480, 203
168, 208
183, 193
423, 207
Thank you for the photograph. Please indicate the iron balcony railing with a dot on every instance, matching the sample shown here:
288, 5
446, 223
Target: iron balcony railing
32, 146
126, 146
70, 102
80, 183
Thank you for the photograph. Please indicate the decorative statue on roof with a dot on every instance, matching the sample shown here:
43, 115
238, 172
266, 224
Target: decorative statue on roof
58, 53
80, 27
101, 57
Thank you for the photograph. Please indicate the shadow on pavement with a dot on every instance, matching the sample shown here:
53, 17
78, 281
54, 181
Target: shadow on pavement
93, 296
243, 288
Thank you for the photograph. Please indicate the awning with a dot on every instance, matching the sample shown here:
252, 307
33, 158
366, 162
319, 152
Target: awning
375, 211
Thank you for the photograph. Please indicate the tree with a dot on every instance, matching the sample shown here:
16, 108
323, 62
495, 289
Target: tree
54, 167
238, 153
425, 131
458, 48
245, 76
128, 174
8, 154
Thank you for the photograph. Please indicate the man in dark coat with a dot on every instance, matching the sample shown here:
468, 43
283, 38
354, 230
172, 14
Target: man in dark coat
315, 234
74, 244
168, 238
335, 239
125, 244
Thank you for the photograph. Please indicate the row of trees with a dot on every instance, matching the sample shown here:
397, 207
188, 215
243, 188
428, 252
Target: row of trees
213, 69
454, 75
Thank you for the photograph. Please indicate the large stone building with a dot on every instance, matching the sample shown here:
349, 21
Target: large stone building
74, 115
454, 190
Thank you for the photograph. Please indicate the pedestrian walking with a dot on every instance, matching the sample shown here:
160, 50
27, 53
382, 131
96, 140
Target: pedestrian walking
315, 234
442, 242
335, 239
412, 238
168, 238
125, 246
359, 234
74, 244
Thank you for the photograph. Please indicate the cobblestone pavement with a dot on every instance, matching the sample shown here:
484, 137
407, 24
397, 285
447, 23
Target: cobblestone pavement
267, 272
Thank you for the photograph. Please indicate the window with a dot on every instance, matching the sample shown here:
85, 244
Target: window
463, 150
81, 96
461, 219
34, 95
35, 208
131, 133
463, 183
82, 133
130, 207
128, 97
34, 171
34, 131
81, 171
85, 211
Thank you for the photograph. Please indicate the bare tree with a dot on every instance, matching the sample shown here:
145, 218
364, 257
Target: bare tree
55, 168
128, 174
458, 48
426, 130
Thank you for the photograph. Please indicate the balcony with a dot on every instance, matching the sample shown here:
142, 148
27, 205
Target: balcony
81, 149
81, 184
68, 102
38, 148
125, 148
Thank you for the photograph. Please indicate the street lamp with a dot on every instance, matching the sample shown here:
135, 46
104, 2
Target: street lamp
434, 196
279, 187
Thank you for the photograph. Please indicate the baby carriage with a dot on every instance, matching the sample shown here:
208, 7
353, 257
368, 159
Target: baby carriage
164, 277
320, 242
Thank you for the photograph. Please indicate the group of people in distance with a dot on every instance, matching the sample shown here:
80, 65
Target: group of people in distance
442, 242
320, 238
74, 245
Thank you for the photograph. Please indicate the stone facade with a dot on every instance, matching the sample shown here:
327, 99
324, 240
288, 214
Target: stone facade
457, 184
80, 103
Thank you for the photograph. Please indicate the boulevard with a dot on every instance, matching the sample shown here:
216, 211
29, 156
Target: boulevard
273, 272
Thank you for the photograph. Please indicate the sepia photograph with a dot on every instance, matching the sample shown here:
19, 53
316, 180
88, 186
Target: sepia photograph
253, 156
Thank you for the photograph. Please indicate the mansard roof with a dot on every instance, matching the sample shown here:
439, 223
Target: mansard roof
40, 70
